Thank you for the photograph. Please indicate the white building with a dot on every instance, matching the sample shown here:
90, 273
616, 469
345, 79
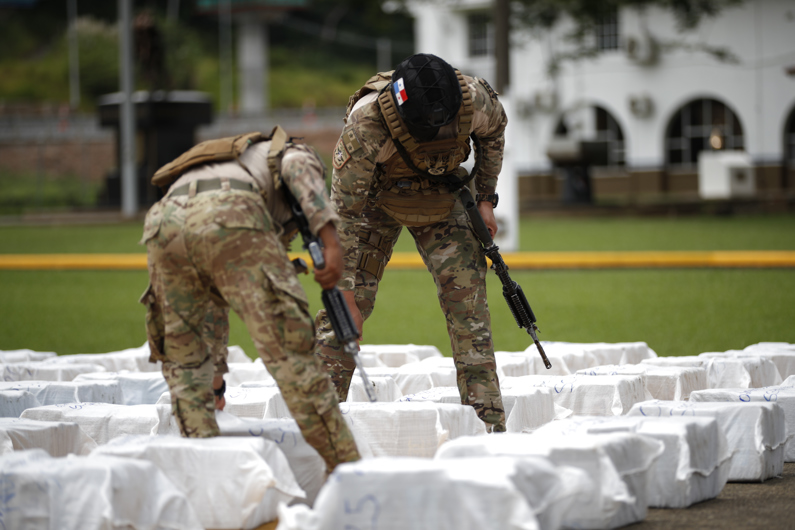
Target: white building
652, 93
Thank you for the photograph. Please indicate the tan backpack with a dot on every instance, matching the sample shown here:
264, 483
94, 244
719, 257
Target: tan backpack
222, 150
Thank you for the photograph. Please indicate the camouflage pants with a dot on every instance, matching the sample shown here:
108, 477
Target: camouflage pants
451, 254
222, 242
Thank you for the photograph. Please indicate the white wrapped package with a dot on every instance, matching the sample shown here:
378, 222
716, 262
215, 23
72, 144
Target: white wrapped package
131, 359
781, 353
408, 383
525, 408
135, 388
617, 463
695, 462
688, 361
398, 354
236, 354
669, 383
372, 360
599, 395
231, 482
46, 371
441, 369
24, 355
308, 467
408, 429
439, 394
784, 396
103, 493
385, 389
756, 433
252, 372
15, 402
401, 493
102, 421
55, 437
513, 364
752, 372
618, 352
725, 371
530, 408
566, 358
256, 402
61, 392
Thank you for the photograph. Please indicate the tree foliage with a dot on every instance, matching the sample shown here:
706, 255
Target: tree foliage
586, 14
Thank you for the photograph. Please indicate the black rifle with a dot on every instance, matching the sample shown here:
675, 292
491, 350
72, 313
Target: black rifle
336, 308
511, 290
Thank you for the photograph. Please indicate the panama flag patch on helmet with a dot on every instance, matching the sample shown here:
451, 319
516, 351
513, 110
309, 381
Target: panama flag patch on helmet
400, 91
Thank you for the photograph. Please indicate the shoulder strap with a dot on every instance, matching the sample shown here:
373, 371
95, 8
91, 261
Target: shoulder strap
374, 84
279, 141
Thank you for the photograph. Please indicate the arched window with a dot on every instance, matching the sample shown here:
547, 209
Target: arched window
606, 129
699, 125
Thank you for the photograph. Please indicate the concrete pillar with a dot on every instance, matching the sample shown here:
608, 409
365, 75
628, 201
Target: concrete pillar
252, 48
507, 211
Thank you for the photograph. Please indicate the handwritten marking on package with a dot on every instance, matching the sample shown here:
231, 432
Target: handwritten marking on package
356, 516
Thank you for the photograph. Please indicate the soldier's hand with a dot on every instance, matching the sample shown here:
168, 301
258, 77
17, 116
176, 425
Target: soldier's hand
328, 276
486, 209
220, 402
356, 315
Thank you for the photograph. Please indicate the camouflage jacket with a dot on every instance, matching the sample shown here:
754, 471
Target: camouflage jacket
365, 141
302, 171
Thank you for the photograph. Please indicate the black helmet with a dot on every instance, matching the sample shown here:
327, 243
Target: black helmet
426, 92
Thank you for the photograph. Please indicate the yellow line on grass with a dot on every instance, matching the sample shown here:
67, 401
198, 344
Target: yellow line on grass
409, 260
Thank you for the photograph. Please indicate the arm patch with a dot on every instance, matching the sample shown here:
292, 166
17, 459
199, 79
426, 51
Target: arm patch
341, 155
492, 93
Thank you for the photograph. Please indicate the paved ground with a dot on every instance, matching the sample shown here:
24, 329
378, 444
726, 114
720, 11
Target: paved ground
740, 506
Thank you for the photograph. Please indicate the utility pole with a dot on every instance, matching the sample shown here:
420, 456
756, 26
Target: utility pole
129, 178
225, 55
502, 40
74, 62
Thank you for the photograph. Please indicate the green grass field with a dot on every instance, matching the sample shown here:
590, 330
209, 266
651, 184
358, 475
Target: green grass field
678, 311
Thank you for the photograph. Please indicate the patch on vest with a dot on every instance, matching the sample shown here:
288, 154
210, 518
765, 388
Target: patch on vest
400, 92
341, 155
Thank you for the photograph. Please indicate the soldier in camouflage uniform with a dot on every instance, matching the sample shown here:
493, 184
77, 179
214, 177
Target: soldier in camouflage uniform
395, 164
214, 241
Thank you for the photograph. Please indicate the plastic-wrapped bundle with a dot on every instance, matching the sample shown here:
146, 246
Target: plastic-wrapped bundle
395, 355
103, 493
103, 422
617, 464
693, 467
131, 360
784, 396
250, 475
46, 371
602, 395
670, 383
56, 437
308, 467
408, 429
399, 493
756, 432
104, 390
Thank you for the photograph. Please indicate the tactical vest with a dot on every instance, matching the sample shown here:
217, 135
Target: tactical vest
223, 150
414, 185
